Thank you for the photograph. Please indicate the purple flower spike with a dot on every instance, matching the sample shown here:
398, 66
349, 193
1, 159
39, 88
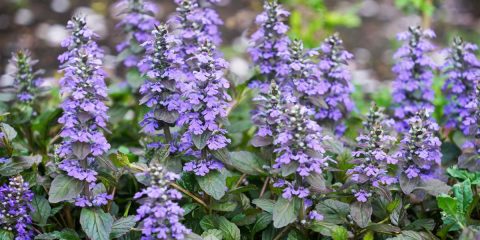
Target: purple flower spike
470, 158
159, 214
412, 88
266, 116
269, 44
16, 208
26, 80
159, 91
463, 71
137, 25
84, 112
372, 158
419, 154
337, 102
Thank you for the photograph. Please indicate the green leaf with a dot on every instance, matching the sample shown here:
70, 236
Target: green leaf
230, 230
96, 223
447, 204
361, 213
464, 195
383, 228
66, 234
408, 185
283, 212
64, 188
434, 187
263, 220
212, 234
41, 208
208, 222
224, 206
81, 150
214, 184
6, 235
17, 164
333, 211
421, 224
247, 162
264, 204
200, 141
8, 131
339, 233
122, 226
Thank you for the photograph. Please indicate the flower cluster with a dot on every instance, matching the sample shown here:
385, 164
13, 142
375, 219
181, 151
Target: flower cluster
159, 91
84, 112
412, 88
159, 213
470, 157
266, 116
336, 101
291, 190
269, 44
372, 158
26, 80
15, 208
299, 142
463, 71
419, 154
137, 26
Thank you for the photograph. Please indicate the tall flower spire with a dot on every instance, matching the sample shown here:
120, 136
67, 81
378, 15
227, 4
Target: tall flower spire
159, 91
372, 157
463, 71
159, 214
419, 154
336, 102
84, 112
137, 25
26, 80
412, 88
16, 208
269, 44
470, 157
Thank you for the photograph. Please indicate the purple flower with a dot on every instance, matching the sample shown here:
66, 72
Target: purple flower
463, 71
470, 158
336, 102
266, 116
412, 88
137, 25
84, 112
16, 208
314, 215
159, 214
290, 189
26, 80
202, 167
372, 157
160, 92
419, 154
269, 44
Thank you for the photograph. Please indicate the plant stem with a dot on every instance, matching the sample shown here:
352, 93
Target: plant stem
197, 199
168, 134
265, 184
281, 233
240, 180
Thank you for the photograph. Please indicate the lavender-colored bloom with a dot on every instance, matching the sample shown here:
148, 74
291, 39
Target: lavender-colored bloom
202, 167
15, 208
412, 88
137, 25
314, 215
26, 80
269, 44
266, 116
299, 142
419, 154
463, 71
159, 91
290, 189
470, 158
84, 112
159, 213
372, 158
336, 102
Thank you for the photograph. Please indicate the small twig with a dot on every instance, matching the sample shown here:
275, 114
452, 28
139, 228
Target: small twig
281, 233
197, 199
264, 186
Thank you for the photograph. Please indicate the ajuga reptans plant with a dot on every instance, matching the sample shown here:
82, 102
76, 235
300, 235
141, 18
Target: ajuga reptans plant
84, 112
26, 80
412, 87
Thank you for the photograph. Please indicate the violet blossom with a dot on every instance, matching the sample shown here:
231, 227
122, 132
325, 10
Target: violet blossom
15, 209
470, 158
412, 88
159, 214
26, 80
266, 116
463, 71
269, 45
84, 112
138, 23
336, 103
372, 159
419, 154
159, 90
